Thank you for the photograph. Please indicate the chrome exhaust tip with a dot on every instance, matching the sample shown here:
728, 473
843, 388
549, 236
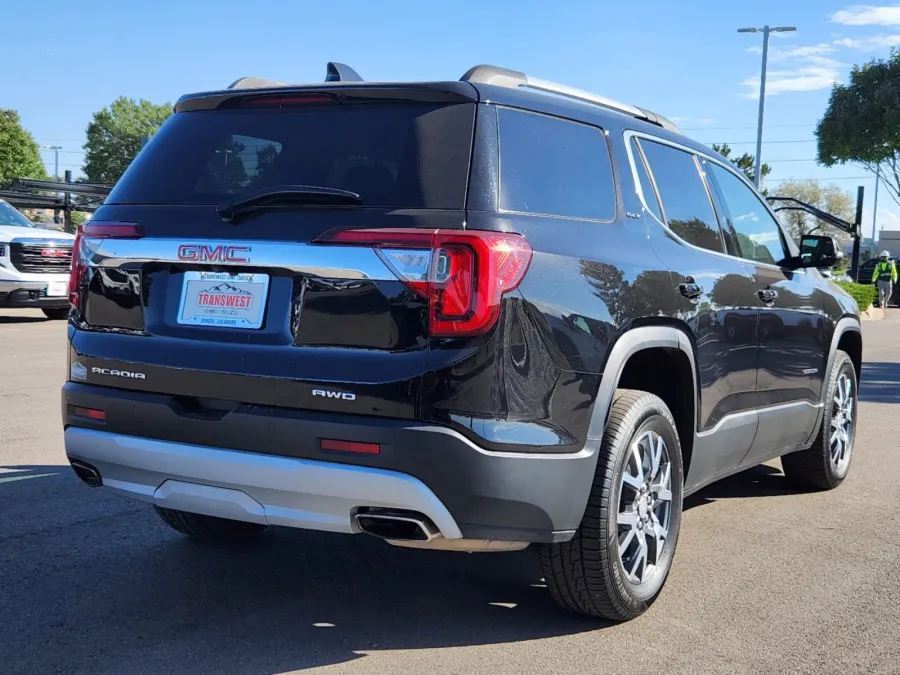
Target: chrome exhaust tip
394, 525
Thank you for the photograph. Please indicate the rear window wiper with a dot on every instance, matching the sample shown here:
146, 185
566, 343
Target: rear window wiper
281, 196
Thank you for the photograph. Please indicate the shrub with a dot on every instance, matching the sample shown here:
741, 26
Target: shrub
864, 294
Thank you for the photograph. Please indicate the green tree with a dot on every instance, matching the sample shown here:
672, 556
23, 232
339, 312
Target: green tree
828, 198
19, 155
745, 162
115, 135
862, 121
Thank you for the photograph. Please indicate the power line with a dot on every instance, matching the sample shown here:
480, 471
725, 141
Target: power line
768, 126
809, 140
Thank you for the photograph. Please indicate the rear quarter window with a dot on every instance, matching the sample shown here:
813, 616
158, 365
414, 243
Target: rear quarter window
554, 167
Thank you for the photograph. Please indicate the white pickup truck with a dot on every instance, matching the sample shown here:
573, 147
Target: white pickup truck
34, 265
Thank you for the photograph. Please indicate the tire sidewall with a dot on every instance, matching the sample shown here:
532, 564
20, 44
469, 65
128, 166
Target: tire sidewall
655, 417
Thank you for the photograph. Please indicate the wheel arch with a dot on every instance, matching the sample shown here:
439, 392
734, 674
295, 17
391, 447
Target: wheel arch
656, 359
847, 336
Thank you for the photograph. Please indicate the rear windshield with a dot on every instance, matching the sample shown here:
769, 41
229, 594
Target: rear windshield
402, 155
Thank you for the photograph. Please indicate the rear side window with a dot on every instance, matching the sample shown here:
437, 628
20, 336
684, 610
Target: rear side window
685, 201
404, 155
550, 166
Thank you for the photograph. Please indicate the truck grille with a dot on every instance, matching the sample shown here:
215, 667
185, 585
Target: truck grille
41, 257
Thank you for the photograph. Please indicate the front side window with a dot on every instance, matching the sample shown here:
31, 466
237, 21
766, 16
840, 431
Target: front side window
551, 166
685, 201
758, 233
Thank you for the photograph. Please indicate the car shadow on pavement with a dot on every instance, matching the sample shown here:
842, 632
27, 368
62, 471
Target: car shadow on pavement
11, 319
880, 382
93, 583
759, 481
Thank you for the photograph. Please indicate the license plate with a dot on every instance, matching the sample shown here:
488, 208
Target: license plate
56, 289
222, 299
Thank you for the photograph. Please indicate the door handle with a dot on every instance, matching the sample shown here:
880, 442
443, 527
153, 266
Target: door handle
690, 290
767, 295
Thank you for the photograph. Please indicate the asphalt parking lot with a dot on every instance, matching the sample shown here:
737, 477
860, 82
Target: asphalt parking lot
766, 580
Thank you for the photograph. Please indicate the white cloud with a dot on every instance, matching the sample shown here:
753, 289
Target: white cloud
805, 78
870, 44
803, 68
868, 15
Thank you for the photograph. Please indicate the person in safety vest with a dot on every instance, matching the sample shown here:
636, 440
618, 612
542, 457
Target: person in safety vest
885, 275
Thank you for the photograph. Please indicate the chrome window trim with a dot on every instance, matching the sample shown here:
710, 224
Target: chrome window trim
629, 134
328, 261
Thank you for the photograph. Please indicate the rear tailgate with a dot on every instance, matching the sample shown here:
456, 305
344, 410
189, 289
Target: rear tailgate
260, 312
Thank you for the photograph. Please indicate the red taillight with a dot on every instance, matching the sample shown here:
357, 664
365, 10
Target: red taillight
332, 445
462, 273
95, 230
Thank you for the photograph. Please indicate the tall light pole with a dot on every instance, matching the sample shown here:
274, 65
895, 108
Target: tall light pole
765, 30
56, 149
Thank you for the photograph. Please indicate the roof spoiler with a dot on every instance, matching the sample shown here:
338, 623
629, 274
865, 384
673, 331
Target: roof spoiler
334, 72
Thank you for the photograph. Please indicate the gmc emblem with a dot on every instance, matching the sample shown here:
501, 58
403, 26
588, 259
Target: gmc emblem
206, 253
54, 253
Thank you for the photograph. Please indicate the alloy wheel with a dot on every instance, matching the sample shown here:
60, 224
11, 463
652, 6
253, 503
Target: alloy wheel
645, 507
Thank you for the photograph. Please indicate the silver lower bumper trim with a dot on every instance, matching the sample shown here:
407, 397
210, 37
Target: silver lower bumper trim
251, 487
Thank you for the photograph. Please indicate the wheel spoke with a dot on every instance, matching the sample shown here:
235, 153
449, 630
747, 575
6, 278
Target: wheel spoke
835, 435
837, 450
663, 488
656, 451
639, 562
661, 534
639, 462
633, 482
626, 542
628, 518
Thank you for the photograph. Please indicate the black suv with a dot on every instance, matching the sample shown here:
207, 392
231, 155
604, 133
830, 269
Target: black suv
468, 316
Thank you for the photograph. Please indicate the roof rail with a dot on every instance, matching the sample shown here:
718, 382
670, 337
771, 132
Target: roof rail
503, 77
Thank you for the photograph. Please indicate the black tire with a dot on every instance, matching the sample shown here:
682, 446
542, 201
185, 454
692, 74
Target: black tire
586, 575
209, 528
57, 313
813, 469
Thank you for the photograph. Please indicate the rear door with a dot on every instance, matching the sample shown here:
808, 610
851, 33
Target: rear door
716, 302
269, 309
793, 335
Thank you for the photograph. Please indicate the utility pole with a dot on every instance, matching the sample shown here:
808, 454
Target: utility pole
56, 149
854, 264
765, 30
875, 205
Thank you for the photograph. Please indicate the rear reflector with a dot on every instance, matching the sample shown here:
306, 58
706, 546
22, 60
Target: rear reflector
331, 445
89, 413
462, 273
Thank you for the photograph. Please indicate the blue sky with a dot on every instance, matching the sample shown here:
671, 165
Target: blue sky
683, 59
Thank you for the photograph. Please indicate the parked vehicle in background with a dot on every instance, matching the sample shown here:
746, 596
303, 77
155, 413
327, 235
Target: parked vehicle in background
466, 316
34, 264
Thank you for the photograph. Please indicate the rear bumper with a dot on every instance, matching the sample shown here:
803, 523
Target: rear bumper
265, 465
29, 294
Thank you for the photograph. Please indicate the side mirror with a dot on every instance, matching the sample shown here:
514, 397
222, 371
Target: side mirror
816, 251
